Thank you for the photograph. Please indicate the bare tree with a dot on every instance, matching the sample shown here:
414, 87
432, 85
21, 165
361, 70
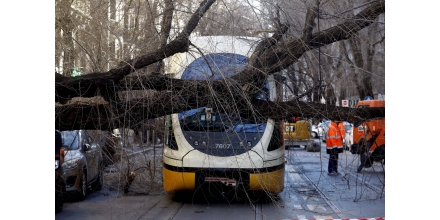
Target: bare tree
274, 54
122, 47
63, 33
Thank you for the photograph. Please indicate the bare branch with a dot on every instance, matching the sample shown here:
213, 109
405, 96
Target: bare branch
270, 56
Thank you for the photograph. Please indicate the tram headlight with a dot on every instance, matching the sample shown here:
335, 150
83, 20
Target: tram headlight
196, 143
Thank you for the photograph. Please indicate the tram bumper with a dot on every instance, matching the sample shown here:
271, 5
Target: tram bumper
269, 178
177, 180
261, 175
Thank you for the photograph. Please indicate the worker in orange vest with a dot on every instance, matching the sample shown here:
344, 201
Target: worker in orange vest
334, 146
341, 127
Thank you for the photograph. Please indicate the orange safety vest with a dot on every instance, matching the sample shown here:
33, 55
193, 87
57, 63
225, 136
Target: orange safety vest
341, 127
333, 141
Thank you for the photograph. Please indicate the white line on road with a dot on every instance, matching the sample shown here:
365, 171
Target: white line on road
291, 170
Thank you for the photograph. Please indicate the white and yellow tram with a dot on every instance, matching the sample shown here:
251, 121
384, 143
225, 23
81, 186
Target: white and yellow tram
208, 146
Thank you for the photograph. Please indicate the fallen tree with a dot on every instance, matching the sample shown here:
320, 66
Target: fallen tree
271, 56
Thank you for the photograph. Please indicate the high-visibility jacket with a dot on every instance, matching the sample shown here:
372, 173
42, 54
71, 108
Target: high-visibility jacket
333, 141
341, 127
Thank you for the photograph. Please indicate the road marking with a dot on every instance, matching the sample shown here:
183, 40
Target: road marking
291, 170
316, 208
293, 174
310, 198
298, 207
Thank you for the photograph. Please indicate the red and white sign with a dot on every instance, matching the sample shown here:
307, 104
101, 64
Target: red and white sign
344, 103
226, 181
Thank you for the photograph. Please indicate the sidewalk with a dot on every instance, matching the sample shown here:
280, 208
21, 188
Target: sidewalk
136, 149
139, 148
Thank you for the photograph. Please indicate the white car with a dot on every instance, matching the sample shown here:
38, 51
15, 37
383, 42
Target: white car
348, 140
317, 131
324, 127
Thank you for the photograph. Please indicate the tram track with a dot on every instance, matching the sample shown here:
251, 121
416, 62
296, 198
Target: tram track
356, 176
326, 199
176, 211
298, 160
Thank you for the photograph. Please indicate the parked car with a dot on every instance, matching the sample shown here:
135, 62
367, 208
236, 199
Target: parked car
324, 127
60, 185
83, 164
109, 143
317, 131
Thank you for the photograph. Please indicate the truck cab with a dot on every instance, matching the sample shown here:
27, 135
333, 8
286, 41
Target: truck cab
297, 132
369, 135
371, 103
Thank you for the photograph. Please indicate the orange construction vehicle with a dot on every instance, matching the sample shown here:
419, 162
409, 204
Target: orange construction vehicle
369, 137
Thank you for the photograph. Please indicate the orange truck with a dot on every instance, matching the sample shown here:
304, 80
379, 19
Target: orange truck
369, 137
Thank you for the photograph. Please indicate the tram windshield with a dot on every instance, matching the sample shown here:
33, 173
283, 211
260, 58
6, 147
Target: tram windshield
202, 120
213, 67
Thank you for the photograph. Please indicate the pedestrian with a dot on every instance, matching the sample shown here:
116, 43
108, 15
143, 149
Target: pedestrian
334, 146
342, 128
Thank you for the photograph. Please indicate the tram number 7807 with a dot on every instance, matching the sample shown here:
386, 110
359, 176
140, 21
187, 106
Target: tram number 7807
223, 146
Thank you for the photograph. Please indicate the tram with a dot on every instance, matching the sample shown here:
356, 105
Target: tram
215, 146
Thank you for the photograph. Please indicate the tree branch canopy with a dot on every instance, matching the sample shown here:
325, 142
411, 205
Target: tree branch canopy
272, 55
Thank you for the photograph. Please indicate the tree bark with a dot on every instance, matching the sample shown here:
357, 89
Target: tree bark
271, 57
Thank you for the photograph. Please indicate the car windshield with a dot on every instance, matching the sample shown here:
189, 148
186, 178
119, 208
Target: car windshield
70, 140
325, 124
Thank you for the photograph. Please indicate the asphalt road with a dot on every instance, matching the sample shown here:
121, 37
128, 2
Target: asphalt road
350, 194
309, 193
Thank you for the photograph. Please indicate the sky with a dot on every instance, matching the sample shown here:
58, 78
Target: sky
27, 93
